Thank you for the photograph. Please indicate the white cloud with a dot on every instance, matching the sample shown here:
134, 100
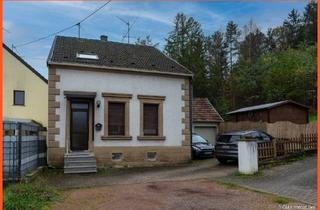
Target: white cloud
67, 5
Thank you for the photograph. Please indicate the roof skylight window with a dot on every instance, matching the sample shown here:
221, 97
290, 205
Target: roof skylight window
87, 56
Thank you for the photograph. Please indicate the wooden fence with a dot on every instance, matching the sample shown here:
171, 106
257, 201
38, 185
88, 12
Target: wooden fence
284, 129
282, 147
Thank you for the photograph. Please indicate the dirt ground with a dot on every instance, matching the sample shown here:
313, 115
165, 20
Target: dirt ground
193, 194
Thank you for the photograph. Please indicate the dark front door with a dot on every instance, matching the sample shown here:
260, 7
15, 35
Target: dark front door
79, 132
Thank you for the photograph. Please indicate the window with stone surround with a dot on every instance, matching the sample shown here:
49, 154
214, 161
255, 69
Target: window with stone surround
116, 116
151, 117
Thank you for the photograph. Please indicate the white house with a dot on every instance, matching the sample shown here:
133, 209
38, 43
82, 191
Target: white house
116, 104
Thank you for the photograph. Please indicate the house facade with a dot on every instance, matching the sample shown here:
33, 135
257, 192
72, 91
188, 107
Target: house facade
25, 91
123, 104
205, 119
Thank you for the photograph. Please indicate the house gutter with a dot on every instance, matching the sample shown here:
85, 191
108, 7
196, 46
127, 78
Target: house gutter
190, 112
123, 69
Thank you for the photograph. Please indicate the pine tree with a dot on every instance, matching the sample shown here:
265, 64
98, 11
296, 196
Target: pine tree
310, 22
218, 68
292, 26
186, 45
270, 41
232, 39
253, 45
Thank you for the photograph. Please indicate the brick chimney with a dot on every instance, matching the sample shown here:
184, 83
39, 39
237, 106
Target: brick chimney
104, 38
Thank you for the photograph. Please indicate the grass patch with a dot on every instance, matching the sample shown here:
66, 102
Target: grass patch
228, 185
275, 198
281, 200
34, 196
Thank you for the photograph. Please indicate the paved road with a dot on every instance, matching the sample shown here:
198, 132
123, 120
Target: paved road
297, 180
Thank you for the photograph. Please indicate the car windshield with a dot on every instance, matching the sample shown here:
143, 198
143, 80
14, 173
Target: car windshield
228, 138
196, 139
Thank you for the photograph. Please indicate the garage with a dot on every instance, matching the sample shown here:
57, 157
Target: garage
205, 119
206, 131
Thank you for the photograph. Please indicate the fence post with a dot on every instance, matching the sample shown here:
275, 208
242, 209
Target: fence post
248, 156
302, 142
38, 150
19, 149
274, 142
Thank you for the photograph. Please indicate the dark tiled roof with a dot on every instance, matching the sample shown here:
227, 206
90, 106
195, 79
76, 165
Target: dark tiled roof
266, 106
25, 63
203, 111
113, 55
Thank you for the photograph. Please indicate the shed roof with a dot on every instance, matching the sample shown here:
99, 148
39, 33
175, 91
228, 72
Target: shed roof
113, 55
267, 106
203, 111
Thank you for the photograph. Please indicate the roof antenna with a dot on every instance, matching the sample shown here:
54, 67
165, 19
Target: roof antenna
128, 31
79, 28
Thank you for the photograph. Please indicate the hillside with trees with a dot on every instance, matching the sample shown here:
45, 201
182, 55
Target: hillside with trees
240, 67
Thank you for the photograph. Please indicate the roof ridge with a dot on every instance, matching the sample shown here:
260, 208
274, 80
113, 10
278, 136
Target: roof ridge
112, 42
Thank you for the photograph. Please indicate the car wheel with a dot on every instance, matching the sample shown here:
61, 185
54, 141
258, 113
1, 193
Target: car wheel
222, 160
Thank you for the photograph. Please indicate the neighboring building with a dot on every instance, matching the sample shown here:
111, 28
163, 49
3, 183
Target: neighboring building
120, 103
273, 112
25, 91
205, 119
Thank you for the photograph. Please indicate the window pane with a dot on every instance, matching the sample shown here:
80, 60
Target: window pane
150, 119
116, 119
18, 97
79, 106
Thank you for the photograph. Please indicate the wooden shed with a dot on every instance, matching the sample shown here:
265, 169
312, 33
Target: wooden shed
272, 112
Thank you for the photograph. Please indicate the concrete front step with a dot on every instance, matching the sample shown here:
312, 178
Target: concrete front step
72, 170
78, 154
79, 159
80, 162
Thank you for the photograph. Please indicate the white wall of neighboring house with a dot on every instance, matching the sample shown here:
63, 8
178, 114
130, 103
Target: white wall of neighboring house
135, 84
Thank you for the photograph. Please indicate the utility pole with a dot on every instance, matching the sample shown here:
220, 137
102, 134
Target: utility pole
128, 24
78, 24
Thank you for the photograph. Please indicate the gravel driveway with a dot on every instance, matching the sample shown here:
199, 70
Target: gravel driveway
185, 195
190, 186
209, 168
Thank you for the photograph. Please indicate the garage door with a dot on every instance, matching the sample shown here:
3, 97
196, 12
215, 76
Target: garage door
209, 133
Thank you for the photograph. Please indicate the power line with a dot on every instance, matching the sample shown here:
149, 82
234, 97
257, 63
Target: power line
65, 29
45, 37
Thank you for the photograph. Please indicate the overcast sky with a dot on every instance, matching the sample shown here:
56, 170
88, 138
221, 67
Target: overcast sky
26, 21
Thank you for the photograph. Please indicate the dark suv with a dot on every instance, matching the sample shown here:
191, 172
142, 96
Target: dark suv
226, 147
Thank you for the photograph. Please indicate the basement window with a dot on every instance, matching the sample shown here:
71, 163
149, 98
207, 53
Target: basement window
117, 156
151, 155
87, 56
